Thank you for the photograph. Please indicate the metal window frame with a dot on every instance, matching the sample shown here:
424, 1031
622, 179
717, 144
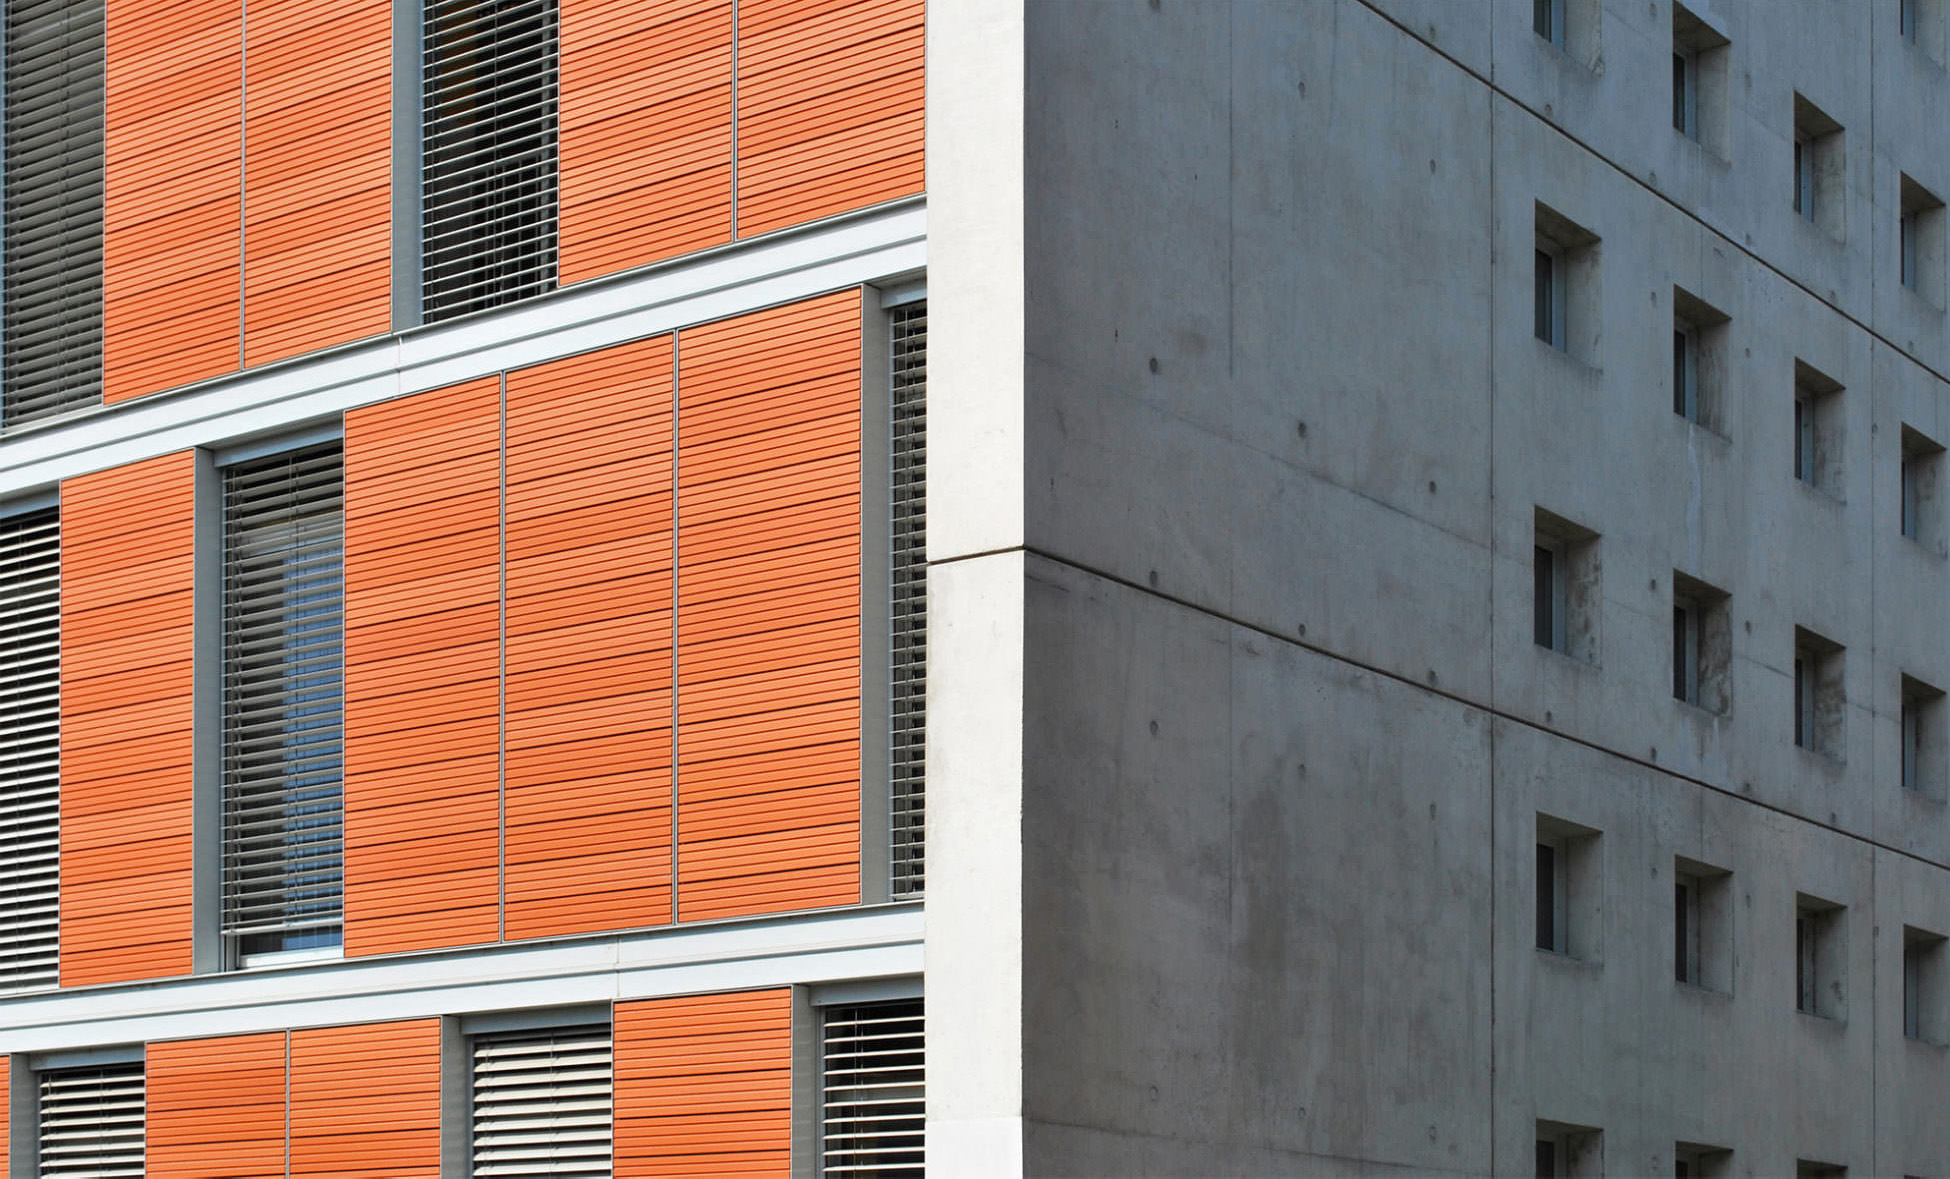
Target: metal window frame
24, 1104
809, 1006
1685, 106
212, 950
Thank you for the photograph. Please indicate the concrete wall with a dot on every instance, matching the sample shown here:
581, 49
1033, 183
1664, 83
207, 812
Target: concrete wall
1285, 735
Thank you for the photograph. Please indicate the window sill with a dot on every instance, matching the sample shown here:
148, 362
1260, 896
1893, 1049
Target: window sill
280, 958
1836, 1022
1561, 960
1701, 992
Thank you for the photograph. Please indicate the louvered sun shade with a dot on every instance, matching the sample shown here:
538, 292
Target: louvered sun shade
872, 1093
30, 748
908, 697
488, 203
91, 1121
283, 700
541, 1102
52, 302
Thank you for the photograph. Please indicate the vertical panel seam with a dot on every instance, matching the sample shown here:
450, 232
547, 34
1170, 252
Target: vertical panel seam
501, 686
676, 555
734, 120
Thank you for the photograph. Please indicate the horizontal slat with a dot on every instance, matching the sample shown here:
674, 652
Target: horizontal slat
909, 639
30, 749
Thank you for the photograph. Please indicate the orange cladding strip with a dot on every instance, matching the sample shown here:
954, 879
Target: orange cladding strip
769, 611
645, 131
704, 1085
318, 205
6, 1108
589, 584
172, 212
365, 1102
127, 585
830, 107
216, 1108
423, 670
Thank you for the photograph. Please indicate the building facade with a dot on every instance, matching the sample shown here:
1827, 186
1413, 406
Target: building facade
821, 587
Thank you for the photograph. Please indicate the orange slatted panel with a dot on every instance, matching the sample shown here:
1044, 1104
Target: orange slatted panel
830, 104
127, 583
365, 1102
173, 191
423, 670
769, 611
645, 138
318, 174
588, 797
6, 1108
704, 1085
216, 1108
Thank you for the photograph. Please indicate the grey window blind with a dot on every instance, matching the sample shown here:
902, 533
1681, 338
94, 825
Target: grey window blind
541, 1102
283, 706
91, 1121
873, 1095
909, 645
51, 305
488, 154
30, 749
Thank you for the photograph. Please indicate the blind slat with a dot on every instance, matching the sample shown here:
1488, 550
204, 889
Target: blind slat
30, 749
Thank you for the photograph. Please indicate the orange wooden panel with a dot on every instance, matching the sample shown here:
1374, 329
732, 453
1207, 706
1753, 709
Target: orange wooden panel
365, 1102
6, 1108
173, 213
216, 1108
769, 611
588, 646
704, 1085
318, 200
830, 107
127, 584
423, 670
645, 131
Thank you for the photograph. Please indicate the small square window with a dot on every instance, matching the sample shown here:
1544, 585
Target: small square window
1564, 587
1920, 24
1819, 163
1702, 641
1702, 926
1699, 335
1565, 1151
1693, 1160
1818, 957
1565, 293
1547, 20
1920, 242
1924, 1008
1922, 470
1923, 737
1810, 1169
1817, 429
1567, 882
1699, 76
1819, 703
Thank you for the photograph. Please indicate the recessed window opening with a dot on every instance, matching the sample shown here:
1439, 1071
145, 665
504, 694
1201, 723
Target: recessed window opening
1701, 643
1699, 69
283, 704
1924, 1008
1566, 1151
873, 1089
1924, 739
1693, 1160
1567, 884
1819, 162
1565, 291
1922, 466
1920, 242
1547, 20
539, 1101
1548, 309
1818, 957
1817, 429
1701, 926
1699, 340
1564, 587
1819, 705
90, 1120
